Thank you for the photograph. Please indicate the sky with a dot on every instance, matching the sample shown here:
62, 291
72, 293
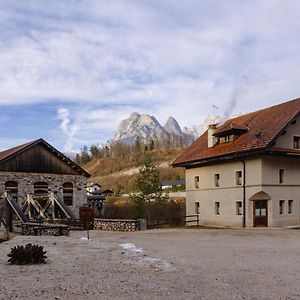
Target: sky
71, 70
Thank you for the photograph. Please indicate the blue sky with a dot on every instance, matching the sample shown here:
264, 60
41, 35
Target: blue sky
72, 70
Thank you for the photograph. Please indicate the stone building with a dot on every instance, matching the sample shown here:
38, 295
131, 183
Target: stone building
37, 168
246, 172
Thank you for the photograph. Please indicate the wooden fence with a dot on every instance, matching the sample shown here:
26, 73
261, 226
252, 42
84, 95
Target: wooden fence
190, 220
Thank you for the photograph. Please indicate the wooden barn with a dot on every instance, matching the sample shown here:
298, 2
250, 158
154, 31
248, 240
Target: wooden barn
40, 181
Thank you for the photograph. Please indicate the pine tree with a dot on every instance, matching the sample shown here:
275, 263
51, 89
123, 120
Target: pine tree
148, 188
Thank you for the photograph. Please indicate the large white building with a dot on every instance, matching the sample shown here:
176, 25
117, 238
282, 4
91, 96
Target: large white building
246, 172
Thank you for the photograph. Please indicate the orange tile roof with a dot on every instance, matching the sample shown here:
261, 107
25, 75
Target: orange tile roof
263, 128
230, 127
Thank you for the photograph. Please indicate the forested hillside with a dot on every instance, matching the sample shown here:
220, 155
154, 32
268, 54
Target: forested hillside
120, 171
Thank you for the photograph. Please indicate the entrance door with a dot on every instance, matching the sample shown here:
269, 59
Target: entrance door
260, 213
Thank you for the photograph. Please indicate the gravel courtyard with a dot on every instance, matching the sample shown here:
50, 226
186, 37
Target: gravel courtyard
159, 264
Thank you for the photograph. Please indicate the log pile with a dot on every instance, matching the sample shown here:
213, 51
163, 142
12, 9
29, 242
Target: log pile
116, 225
45, 229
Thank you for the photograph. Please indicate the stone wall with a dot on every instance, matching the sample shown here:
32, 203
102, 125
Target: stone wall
116, 224
55, 182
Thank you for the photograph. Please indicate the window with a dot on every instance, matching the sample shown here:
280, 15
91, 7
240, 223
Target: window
68, 193
217, 179
281, 207
238, 177
290, 206
11, 187
40, 188
196, 181
226, 138
296, 142
197, 208
281, 175
217, 208
239, 208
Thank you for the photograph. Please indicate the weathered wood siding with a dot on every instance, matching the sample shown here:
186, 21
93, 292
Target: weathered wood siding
38, 159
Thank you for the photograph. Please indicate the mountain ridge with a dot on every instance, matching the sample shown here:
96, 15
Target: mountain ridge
147, 128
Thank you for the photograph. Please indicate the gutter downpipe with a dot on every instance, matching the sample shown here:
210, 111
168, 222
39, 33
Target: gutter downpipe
244, 193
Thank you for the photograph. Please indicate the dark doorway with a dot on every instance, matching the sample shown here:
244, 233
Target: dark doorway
260, 212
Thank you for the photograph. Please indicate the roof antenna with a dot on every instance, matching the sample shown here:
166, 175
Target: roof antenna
214, 108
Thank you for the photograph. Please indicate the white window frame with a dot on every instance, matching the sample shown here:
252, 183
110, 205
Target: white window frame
239, 208
217, 180
217, 208
281, 175
197, 182
238, 179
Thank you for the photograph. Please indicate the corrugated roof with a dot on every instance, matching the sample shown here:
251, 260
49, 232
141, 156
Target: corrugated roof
263, 127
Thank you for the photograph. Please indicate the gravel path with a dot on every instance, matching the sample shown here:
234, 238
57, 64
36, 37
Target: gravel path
159, 264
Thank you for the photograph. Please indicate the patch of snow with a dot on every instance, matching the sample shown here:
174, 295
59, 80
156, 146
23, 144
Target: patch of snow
163, 264
131, 247
85, 239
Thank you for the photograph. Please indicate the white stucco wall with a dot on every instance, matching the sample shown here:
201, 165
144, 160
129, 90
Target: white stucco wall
288, 190
228, 193
286, 140
261, 176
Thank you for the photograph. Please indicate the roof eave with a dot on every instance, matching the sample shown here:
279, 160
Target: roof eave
221, 158
58, 153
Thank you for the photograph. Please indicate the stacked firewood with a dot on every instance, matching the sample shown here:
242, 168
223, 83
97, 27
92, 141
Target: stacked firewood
116, 225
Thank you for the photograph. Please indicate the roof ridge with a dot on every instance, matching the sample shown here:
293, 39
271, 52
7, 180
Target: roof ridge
262, 109
16, 149
264, 127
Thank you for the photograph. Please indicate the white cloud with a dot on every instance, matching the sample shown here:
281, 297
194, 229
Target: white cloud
163, 58
68, 127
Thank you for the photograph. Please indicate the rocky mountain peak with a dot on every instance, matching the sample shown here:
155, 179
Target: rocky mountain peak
146, 127
172, 126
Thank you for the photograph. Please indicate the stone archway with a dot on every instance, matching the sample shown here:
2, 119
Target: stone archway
260, 209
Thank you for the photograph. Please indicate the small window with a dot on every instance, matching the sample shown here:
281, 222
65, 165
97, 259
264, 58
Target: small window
290, 206
239, 208
197, 208
238, 177
217, 179
197, 181
281, 175
281, 207
217, 208
296, 142
68, 193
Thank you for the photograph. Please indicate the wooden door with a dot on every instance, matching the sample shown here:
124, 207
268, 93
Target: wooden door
260, 212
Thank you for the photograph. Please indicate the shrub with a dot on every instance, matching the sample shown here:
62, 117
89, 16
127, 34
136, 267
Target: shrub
30, 254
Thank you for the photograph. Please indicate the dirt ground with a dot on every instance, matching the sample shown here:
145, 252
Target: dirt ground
159, 264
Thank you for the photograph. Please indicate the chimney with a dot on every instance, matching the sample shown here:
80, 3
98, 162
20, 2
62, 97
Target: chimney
211, 140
